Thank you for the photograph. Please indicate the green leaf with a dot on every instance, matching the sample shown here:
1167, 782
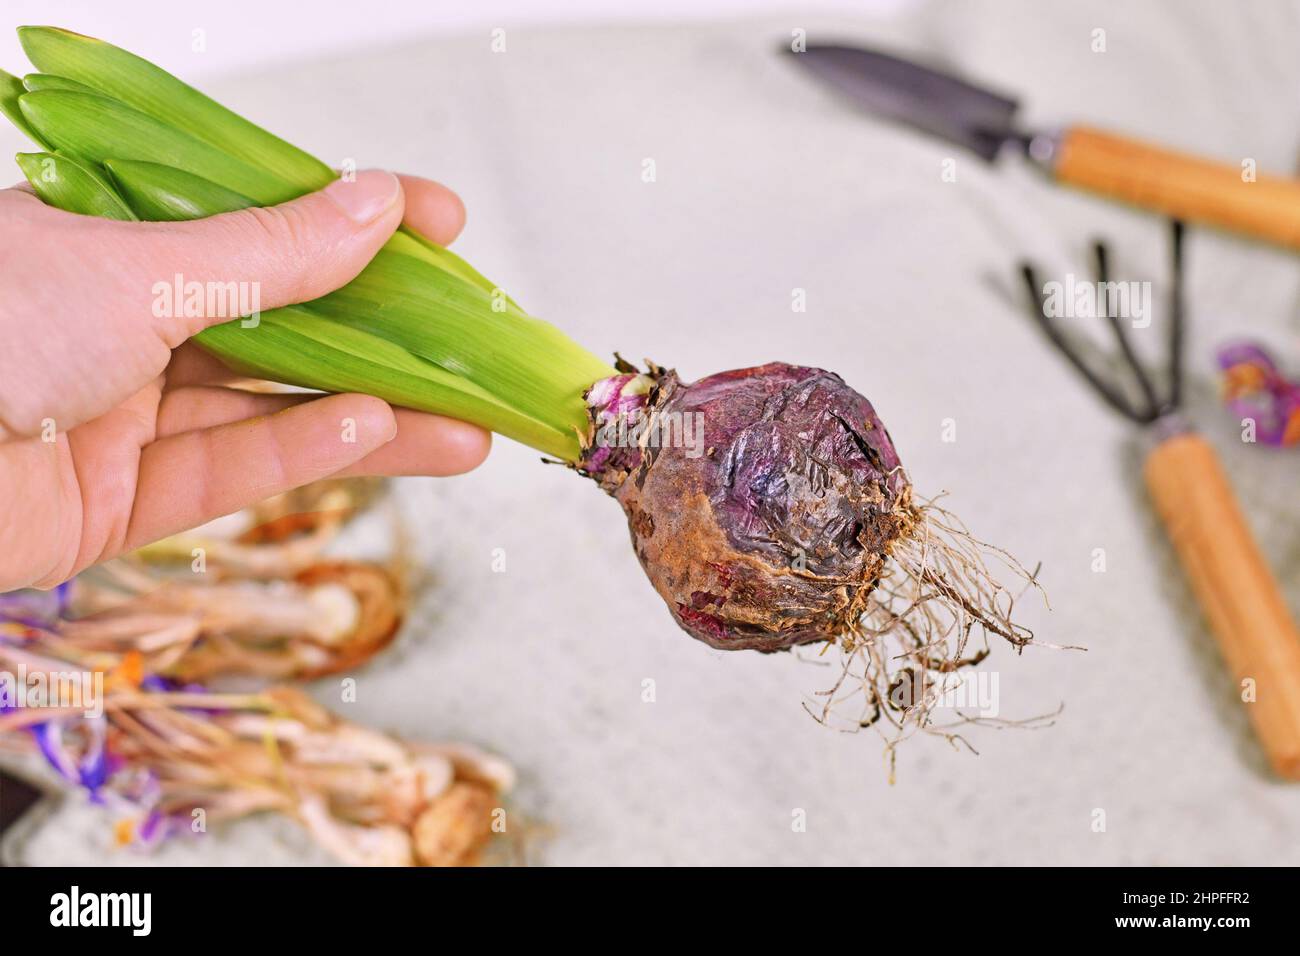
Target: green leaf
451, 323
413, 244
296, 346
45, 81
155, 92
437, 315
11, 88
159, 193
99, 128
65, 183
419, 327
164, 193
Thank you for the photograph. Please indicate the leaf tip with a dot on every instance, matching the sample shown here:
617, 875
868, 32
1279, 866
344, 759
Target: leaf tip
39, 30
32, 37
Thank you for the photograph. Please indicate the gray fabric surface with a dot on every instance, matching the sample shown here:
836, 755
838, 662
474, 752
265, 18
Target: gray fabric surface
765, 184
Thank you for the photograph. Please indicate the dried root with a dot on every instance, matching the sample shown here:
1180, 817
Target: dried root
329, 617
169, 759
263, 601
170, 756
173, 762
275, 538
926, 622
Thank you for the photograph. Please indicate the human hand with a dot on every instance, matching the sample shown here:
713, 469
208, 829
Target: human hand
114, 431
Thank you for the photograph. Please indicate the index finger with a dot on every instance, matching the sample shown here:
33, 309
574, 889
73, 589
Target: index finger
432, 209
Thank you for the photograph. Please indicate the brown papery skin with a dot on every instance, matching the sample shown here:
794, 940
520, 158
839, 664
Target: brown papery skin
772, 530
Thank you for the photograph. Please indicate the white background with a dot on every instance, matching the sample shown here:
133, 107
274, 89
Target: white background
244, 34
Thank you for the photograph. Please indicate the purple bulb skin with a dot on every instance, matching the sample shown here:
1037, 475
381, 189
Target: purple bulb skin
763, 504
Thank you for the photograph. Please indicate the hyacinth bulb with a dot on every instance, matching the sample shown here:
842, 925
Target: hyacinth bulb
762, 502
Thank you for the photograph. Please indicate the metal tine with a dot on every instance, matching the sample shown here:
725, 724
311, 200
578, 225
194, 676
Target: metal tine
1152, 410
1176, 319
1112, 397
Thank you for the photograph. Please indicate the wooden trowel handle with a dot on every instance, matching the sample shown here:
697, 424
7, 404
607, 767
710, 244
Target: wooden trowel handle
1184, 187
1235, 588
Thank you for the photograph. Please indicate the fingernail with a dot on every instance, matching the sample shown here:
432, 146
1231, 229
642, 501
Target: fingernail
365, 198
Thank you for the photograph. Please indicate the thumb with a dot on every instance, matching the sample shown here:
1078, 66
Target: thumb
294, 252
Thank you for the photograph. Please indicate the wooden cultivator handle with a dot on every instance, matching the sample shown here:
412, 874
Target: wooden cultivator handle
1181, 186
1235, 588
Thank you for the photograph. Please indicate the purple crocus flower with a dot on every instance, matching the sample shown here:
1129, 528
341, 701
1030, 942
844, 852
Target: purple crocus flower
1257, 390
49, 739
38, 609
92, 769
157, 684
